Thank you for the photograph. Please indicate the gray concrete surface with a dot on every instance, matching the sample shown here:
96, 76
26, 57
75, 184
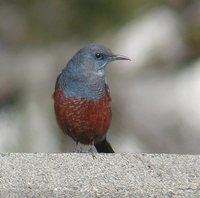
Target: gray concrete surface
106, 175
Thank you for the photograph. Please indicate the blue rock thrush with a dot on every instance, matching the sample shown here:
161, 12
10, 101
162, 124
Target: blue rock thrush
82, 99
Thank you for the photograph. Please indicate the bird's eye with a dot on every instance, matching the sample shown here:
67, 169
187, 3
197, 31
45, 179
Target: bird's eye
99, 55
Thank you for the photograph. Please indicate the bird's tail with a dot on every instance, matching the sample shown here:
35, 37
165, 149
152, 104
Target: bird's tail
104, 147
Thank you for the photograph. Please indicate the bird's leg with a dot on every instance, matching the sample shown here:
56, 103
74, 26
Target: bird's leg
78, 148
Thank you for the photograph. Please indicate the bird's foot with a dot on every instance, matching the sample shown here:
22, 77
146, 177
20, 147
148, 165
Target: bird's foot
91, 150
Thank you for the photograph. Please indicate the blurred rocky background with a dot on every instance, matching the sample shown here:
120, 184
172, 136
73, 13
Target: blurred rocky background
156, 96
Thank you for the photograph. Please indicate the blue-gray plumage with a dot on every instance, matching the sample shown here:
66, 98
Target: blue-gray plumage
84, 74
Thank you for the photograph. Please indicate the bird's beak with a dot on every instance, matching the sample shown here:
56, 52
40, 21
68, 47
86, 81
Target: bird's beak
119, 57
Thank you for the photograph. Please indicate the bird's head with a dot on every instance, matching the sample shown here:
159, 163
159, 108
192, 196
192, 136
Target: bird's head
93, 59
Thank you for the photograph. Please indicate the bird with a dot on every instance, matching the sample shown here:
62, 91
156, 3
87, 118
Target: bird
82, 100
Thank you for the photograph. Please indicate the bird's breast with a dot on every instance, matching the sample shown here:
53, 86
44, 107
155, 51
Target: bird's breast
84, 120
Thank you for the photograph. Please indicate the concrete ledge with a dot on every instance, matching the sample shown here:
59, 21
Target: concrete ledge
111, 175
